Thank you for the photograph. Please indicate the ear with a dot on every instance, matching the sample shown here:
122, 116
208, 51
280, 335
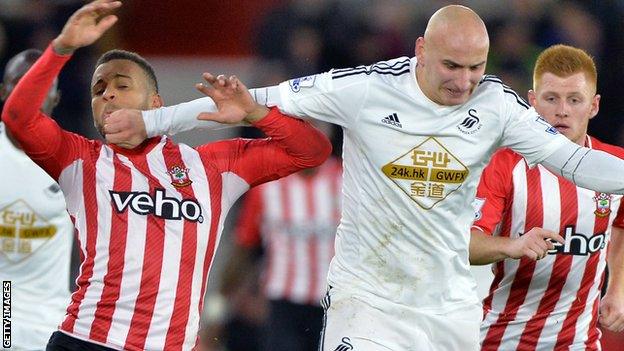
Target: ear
156, 101
419, 50
532, 97
595, 106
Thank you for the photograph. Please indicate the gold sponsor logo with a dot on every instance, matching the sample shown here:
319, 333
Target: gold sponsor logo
428, 173
22, 230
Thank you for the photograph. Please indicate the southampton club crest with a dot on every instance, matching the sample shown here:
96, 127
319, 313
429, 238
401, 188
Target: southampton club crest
179, 176
603, 204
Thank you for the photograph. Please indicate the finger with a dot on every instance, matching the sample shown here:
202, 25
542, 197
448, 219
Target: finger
550, 244
106, 23
531, 255
221, 80
210, 78
110, 129
553, 236
210, 116
205, 89
98, 8
606, 319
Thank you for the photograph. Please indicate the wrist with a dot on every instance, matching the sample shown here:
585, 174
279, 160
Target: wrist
258, 113
62, 49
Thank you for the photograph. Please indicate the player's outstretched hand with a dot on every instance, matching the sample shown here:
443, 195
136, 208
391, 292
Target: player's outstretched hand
125, 128
612, 312
86, 26
234, 103
534, 244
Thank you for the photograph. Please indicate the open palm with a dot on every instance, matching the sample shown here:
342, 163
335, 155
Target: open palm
87, 25
234, 103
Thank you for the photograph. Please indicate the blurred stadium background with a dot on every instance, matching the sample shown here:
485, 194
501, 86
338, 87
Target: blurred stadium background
267, 41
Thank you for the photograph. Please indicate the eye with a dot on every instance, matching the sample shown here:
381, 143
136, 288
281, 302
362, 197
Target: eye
98, 92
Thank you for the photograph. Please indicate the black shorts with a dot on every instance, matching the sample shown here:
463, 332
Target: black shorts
62, 342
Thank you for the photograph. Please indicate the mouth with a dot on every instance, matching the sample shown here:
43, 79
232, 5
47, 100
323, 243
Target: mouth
455, 92
561, 127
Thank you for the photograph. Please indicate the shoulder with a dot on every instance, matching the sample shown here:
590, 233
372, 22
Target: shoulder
611, 149
505, 157
383, 69
491, 84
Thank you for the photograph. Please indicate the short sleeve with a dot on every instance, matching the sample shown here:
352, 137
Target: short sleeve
328, 97
526, 132
494, 190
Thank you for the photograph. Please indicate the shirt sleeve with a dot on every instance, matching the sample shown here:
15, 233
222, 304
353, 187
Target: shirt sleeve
40, 136
292, 145
526, 132
493, 192
249, 219
336, 96
179, 118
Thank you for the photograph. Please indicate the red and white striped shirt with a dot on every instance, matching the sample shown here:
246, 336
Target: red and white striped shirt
296, 218
551, 303
148, 219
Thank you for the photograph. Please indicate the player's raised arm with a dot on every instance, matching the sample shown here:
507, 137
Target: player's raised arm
292, 144
39, 135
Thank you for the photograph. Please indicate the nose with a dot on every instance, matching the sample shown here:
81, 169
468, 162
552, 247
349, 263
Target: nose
562, 109
109, 94
464, 80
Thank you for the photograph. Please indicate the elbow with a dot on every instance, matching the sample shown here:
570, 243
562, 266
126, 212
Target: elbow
324, 151
320, 151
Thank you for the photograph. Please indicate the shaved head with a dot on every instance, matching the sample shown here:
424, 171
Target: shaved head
452, 55
457, 23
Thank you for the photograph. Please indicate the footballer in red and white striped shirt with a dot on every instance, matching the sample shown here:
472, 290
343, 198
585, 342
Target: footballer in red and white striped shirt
148, 219
546, 294
296, 219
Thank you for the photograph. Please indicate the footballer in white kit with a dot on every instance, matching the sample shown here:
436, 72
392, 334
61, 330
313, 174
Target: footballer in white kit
36, 236
410, 169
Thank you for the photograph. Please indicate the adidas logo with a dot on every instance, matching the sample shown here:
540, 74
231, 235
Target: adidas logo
345, 345
392, 119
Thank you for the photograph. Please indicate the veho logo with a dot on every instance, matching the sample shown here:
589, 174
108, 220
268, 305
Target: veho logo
159, 205
579, 244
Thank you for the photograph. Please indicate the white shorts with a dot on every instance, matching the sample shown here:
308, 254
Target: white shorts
351, 323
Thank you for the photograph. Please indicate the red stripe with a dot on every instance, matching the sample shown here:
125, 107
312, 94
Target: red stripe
116, 251
498, 277
526, 267
215, 186
312, 242
290, 254
499, 272
559, 274
568, 331
593, 339
90, 212
182, 304
152, 266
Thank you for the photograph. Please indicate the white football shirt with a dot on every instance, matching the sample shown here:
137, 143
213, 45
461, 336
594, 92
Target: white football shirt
35, 247
411, 169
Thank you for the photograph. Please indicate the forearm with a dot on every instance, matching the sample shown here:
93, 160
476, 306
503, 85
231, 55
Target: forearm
182, 117
36, 133
486, 249
587, 168
615, 261
305, 145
